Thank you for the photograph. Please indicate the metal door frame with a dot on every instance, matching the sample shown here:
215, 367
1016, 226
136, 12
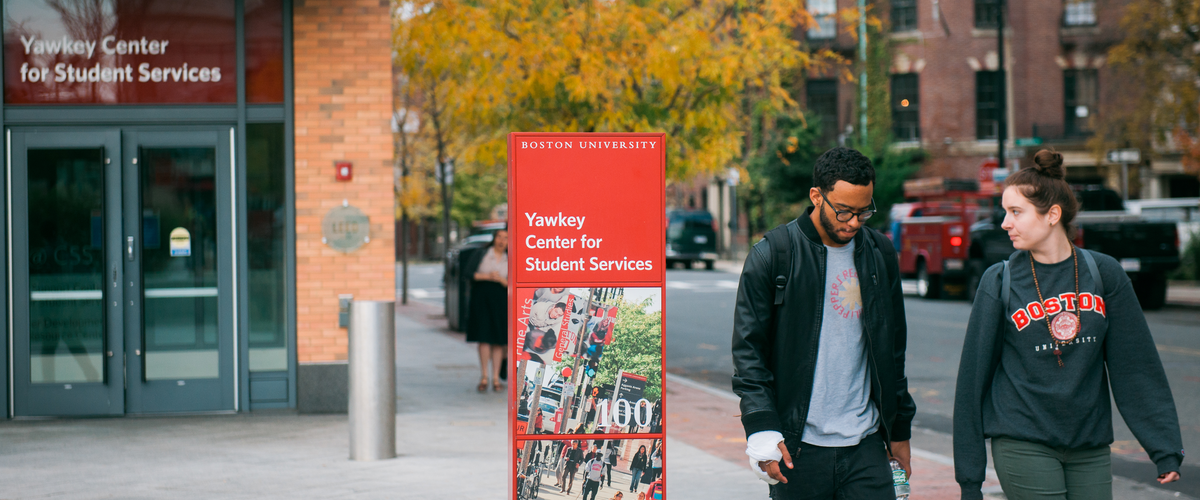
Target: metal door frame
126, 393
108, 397
200, 395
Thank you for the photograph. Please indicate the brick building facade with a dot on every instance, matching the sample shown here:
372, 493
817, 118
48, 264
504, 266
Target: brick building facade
181, 226
944, 92
343, 113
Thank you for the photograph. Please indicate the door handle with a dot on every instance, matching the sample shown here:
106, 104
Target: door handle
129, 248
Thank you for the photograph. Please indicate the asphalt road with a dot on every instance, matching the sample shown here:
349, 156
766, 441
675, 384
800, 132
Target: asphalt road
699, 309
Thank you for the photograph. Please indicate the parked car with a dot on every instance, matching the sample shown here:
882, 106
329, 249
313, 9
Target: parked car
691, 237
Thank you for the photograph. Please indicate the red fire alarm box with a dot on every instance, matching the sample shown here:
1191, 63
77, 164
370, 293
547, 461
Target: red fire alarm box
344, 170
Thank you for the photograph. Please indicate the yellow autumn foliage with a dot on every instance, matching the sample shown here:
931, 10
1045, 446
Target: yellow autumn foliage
683, 67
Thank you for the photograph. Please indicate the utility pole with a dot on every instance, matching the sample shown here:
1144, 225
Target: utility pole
444, 170
1002, 117
862, 58
403, 154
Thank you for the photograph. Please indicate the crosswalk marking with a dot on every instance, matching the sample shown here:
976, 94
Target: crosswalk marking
909, 287
703, 286
427, 293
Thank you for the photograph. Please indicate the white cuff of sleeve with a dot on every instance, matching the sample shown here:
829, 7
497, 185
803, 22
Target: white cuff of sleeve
762, 446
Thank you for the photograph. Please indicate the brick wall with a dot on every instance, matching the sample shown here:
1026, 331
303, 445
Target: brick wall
343, 106
948, 51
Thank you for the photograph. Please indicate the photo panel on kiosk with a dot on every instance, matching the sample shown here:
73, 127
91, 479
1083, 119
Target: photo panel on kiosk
562, 469
587, 222
589, 360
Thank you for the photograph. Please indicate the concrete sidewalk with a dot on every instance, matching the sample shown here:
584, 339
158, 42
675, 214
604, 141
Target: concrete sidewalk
452, 442
1183, 293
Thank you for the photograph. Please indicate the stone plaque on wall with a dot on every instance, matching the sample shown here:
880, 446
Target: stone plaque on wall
345, 229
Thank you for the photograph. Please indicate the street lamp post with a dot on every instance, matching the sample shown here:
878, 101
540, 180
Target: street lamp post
862, 58
1002, 109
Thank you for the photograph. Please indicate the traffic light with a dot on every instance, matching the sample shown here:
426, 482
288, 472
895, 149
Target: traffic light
590, 372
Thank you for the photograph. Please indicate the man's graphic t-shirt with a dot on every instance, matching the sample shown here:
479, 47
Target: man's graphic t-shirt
840, 411
844, 294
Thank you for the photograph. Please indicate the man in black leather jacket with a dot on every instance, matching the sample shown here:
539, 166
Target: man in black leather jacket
821, 375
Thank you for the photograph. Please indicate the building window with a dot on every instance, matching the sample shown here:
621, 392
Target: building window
904, 15
1080, 13
265, 220
987, 104
1079, 100
823, 12
906, 119
987, 13
822, 102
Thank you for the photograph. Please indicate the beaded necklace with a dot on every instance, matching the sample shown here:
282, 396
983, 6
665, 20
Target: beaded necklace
1066, 325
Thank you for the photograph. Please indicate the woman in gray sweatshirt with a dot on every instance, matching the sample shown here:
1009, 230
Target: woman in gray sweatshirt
1039, 357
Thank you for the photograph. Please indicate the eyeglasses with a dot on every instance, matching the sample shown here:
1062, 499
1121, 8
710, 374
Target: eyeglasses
846, 215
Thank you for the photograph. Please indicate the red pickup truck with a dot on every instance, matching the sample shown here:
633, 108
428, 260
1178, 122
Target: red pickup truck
950, 233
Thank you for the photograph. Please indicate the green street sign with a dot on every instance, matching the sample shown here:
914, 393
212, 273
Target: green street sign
1028, 141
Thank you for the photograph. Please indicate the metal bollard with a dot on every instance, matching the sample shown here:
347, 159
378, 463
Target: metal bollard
372, 380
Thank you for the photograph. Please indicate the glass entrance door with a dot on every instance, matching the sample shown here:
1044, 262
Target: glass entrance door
177, 192
67, 319
122, 258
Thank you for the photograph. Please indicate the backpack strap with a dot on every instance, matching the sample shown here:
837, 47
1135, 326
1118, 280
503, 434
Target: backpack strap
1006, 282
1006, 286
1091, 264
781, 258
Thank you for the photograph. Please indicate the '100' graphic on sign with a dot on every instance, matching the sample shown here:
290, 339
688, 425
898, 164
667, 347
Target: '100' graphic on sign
622, 412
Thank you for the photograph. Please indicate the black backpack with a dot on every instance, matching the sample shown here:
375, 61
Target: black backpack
780, 242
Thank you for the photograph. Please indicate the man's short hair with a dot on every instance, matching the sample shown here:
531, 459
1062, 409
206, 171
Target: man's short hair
842, 164
560, 305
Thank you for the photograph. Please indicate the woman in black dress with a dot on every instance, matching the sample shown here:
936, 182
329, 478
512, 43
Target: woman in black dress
488, 320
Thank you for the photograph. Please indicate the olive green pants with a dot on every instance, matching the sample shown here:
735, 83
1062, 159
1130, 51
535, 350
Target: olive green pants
1031, 471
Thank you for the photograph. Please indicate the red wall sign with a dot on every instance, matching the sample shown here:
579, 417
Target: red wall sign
155, 51
586, 277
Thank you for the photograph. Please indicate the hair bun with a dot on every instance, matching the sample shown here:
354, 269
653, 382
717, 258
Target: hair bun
1050, 164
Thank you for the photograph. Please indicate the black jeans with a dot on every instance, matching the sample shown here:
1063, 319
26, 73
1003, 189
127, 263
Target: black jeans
858, 472
593, 487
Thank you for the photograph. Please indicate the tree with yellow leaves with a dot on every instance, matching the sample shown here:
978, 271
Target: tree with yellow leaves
1156, 101
690, 68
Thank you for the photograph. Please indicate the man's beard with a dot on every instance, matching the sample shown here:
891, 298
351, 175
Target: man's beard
831, 231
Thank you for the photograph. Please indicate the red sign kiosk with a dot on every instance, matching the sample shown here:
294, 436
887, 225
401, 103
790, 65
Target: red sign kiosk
586, 281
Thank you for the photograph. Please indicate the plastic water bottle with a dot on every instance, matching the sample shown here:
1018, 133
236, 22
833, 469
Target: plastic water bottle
900, 480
